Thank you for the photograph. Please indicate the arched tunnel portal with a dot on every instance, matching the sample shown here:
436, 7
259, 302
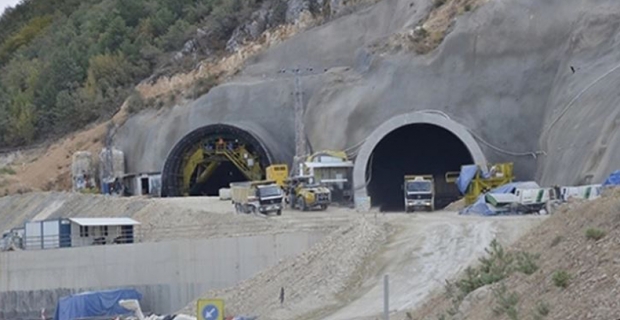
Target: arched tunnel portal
419, 143
210, 158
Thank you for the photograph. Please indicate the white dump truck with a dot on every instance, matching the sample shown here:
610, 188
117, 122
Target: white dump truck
256, 197
419, 192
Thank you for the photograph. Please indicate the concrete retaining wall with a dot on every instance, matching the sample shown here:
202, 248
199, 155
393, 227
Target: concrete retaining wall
168, 274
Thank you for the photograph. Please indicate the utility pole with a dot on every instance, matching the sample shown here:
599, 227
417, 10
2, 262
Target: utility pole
300, 130
301, 147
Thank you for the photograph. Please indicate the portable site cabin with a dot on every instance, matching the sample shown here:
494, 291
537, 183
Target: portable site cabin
47, 234
138, 184
336, 175
101, 231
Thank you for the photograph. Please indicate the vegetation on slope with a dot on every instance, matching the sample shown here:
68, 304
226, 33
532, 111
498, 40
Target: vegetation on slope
570, 272
66, 63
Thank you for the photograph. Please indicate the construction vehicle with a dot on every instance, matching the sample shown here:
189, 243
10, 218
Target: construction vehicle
277, 173
256, 196
332, 169
303, 193
587, 192
486, 180
202, 162
419, 192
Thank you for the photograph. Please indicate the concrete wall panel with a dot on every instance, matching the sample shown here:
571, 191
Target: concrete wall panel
169, 274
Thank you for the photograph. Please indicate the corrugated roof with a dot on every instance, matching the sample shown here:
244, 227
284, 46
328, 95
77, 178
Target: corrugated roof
105, 221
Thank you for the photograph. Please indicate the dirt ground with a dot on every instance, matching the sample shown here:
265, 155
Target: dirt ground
48, 168
417, 251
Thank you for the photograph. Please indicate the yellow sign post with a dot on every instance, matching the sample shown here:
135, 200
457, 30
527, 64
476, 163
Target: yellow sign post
210, 309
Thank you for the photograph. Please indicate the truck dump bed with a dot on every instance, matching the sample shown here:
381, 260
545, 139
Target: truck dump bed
240, 191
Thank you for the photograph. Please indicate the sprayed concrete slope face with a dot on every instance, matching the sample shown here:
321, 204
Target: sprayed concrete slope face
582, 127
502, 73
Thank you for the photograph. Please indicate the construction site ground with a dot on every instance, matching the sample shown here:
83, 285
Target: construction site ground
342, 277
339, 278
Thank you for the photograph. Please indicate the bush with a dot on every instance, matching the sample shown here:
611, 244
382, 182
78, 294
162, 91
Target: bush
542, 308
506, 302
498, 265
526, 262
135, 102
595, 234
7, 170
561, 279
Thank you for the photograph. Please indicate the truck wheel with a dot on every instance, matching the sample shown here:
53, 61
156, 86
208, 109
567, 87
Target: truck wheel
323, 207
279, 212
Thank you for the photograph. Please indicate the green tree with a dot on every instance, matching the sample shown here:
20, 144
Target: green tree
23, 37
176, 36
21, 119
162, 20
107, 71
114, 35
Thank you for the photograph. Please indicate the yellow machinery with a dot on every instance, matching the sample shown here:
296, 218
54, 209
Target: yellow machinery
201, 164
304, 194
498, 175
278, 173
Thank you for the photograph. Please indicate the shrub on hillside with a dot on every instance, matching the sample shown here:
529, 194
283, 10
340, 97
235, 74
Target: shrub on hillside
595, 234
506, 302
561, 278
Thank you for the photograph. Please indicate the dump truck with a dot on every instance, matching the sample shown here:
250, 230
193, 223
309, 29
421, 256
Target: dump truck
419, 192
256, 197
305, 194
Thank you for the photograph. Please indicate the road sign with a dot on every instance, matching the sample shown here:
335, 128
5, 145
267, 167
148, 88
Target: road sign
210, 309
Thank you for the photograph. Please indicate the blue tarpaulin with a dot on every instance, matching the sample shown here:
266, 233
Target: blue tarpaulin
467, 174
481, 207
613, 179
94, 304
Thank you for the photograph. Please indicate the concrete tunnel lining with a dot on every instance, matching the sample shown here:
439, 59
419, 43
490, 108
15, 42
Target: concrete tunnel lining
396, 122
171, 185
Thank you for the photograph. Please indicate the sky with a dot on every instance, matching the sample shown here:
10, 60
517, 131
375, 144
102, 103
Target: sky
7, 3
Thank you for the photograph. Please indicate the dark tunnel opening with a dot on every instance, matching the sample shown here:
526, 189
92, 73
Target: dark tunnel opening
414, 149
225, 173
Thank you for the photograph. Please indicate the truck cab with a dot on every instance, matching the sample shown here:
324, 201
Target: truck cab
269, 198
419, 192
256, 197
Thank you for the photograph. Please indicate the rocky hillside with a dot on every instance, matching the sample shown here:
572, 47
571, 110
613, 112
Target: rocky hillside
565, 269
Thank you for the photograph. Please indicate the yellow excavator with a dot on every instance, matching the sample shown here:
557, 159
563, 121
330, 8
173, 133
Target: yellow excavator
496, 175
201, 163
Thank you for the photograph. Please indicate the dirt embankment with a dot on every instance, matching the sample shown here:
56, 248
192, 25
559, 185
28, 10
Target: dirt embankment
48, 168
310, 280
577, 275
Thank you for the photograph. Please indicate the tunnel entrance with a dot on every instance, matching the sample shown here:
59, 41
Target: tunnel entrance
221, 177
210, 158
414, 149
